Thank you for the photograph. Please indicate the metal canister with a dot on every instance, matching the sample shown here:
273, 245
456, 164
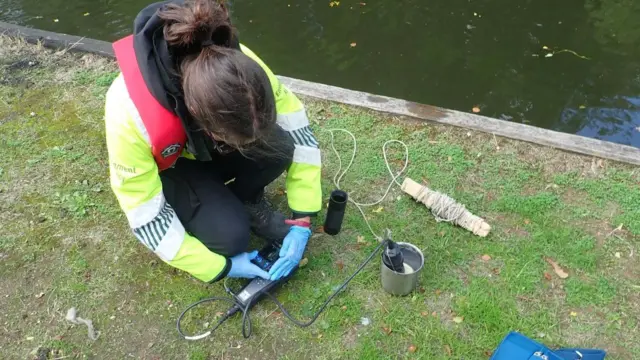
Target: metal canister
401, 284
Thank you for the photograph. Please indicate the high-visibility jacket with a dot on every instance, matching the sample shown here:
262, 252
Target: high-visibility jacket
140, 147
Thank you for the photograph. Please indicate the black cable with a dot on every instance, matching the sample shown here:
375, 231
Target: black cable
246, 319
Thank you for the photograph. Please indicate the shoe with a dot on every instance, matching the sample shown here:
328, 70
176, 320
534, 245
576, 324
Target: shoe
266, 222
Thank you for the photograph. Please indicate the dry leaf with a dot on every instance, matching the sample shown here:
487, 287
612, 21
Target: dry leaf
303, 262
438, 292
334, 3
458, 319
387, 330
320, 229
547, 276
412, 348
39, 295
361, 240
353, 44
558, 270
447, 349
434, 314
573, 313
378, 210
424, 313
344, 307
475, 109
488, 353
527, 221
340, 265
486, 257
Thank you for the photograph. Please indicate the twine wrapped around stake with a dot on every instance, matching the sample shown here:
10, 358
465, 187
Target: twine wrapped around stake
444, 208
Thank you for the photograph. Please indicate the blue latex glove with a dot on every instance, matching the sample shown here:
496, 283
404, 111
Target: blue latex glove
242, 267
291, 252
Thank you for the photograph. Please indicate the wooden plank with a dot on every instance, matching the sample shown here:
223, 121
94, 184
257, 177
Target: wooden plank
523, 132
58, 41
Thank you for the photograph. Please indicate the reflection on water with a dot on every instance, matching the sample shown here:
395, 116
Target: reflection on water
455, 54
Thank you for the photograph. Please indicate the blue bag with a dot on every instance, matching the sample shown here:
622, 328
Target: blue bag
516, 346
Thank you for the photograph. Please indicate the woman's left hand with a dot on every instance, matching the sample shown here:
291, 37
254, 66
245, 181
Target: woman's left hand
291, 252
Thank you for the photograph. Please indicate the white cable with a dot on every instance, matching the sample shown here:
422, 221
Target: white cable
394, 178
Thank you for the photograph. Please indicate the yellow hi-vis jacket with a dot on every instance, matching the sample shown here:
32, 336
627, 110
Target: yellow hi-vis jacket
135, 179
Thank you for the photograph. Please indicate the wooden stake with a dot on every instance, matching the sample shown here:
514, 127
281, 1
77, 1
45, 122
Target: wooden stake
467, 220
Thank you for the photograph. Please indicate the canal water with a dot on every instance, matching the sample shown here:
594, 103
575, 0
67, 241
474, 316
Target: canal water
571, 65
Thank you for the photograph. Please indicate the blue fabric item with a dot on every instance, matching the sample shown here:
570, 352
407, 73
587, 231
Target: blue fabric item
516, 346
587, 354
291, 252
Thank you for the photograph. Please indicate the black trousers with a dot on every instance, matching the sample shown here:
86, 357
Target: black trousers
213, 212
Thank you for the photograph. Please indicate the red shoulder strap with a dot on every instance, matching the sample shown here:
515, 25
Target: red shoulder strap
165, 129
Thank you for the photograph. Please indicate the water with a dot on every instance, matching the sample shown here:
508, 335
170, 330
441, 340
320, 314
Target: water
457, 54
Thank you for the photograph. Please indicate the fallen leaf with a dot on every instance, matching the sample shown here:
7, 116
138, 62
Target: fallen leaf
334, 3
488, 353
219, 313
303, 262
344, 307
573, 313
30, 338
527, 221
558, 270
438, 292
458, 319
547, 276
447, 349
496, 271
340, 265
320, 229
361, 240
412, 348
353, 44
320, 336
486, 257
582, 107
434, 314
39, 295
387, 330
424, 313
617, 255
475, 109
378, 210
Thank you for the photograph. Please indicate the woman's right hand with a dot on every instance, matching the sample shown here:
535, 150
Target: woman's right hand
242, 267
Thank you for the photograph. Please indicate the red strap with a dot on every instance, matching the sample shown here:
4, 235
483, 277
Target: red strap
164, 128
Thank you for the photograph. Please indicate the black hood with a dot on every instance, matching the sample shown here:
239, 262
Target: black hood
157, 63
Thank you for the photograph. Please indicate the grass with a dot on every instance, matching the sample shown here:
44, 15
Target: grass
64, 242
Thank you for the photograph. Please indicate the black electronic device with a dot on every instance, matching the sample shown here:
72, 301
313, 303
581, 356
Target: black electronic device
253, 291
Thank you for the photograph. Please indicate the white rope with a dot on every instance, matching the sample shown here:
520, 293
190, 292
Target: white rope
337, 178
443, 207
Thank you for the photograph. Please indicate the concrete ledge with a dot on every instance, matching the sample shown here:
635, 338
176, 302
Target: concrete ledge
523, 132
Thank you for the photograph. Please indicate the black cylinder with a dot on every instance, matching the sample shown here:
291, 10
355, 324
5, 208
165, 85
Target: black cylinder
335, 212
